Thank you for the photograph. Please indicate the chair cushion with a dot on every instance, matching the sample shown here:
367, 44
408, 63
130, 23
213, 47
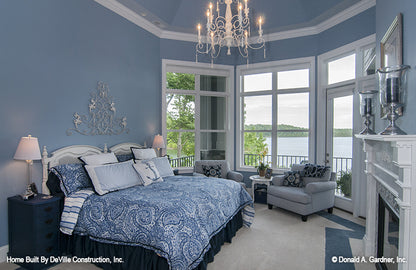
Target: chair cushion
326, 177
298, 167
293, 194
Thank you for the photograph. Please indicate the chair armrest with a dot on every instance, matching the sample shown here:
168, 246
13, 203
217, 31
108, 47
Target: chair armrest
198, 174
278, 180
316, 187
236, 176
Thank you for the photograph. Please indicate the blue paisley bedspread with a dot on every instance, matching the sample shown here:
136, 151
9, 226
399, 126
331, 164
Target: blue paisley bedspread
175, 218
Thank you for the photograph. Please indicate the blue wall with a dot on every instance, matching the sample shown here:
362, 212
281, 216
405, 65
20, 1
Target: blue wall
52, 53
386, 12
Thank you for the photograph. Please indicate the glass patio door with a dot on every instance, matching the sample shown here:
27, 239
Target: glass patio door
339, 142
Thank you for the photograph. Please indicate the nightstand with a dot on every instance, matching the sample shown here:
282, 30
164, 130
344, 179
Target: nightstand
34, 229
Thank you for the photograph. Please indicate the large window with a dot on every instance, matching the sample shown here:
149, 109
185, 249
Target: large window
275, 113
196, 109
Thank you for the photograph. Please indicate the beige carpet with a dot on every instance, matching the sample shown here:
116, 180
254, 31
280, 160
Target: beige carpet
277, 240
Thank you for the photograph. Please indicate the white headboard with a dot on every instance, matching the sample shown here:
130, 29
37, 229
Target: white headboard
124, 148
70, 154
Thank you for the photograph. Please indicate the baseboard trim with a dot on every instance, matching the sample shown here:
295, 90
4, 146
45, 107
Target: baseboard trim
3, 253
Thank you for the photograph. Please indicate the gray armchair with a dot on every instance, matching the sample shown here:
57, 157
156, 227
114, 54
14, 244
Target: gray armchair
224, 169
316, 194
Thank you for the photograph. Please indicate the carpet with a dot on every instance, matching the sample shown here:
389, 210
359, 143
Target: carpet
278, 239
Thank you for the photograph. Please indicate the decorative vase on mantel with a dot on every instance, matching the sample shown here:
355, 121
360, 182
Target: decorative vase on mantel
393, 84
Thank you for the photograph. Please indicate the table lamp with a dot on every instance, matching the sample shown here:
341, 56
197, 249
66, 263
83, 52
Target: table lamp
158, 143
28, 149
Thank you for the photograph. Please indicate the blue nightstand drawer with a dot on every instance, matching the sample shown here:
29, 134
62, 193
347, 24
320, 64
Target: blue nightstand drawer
34, 228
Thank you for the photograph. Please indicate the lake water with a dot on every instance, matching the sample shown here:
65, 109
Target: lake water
298, 146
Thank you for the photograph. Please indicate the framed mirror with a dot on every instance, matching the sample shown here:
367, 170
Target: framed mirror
391, 51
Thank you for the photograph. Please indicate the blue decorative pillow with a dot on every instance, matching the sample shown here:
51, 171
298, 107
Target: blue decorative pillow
292, 179
73, 177
313, 170
122, 158
212, 171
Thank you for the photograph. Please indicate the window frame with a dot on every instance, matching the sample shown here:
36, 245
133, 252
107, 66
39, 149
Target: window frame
356, 203
201, 69
273, 67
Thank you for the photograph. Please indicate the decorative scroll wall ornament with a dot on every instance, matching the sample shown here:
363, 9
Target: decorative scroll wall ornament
102, 118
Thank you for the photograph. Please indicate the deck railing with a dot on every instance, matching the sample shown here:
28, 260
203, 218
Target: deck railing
187, 161
283, 161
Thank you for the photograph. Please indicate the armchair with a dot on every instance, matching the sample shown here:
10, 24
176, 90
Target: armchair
224, 170
316, 193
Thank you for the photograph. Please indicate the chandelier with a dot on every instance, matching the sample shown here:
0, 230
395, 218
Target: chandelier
229, 31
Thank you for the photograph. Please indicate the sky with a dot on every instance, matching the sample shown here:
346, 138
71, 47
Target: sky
293, 109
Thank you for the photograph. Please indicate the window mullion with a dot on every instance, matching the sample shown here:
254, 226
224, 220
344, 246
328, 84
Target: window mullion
274, 120
198, 117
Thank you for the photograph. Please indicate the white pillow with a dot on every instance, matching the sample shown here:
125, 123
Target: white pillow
162, 165
148, 172
147, 153
99, 159
112, 177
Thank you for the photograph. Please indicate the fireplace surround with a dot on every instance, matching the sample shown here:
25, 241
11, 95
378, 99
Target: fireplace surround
391, 191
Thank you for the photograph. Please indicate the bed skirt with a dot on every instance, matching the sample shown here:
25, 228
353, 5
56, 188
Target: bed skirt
139, 258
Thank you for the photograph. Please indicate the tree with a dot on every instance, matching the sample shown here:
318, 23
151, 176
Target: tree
180, 115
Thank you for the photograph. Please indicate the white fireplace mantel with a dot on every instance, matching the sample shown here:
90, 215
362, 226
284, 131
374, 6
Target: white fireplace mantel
391, 169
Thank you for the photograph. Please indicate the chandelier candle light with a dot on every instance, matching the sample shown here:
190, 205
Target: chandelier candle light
229, 30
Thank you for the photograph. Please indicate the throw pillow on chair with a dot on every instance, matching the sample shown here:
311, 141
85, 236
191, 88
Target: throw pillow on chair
212, 171
292, 179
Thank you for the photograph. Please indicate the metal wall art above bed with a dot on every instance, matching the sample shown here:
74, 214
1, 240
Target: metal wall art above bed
101, 118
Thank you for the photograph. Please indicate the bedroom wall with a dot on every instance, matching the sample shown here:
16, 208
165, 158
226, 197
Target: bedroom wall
52, 54
386, 12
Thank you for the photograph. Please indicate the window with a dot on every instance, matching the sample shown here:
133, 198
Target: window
274, 113
342, 69
196, 106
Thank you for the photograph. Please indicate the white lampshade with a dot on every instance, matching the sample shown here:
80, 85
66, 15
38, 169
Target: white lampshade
158, 142
28, 149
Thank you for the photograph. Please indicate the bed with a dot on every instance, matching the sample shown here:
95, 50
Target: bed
179, 223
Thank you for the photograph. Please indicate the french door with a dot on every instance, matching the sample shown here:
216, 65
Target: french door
339, 142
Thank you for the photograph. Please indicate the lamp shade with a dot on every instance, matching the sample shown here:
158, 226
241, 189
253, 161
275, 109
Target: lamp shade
28, 149
158, 142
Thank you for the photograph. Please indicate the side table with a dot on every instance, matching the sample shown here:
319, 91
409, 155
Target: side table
34, 229
257, 179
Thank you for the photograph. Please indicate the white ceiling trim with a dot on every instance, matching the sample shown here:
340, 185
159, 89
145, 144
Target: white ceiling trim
135, 18
131, 16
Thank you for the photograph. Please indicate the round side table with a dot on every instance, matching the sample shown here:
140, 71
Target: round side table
257, 179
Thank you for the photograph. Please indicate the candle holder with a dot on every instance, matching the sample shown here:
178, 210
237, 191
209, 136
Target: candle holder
366, 110
393, 84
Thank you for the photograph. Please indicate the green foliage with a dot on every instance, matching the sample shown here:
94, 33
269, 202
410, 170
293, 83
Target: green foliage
338, 132
342, 132
344, 183
254, 143
180, 115
181, 81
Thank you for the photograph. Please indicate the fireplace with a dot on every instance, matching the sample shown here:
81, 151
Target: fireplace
388, 234
390, 230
